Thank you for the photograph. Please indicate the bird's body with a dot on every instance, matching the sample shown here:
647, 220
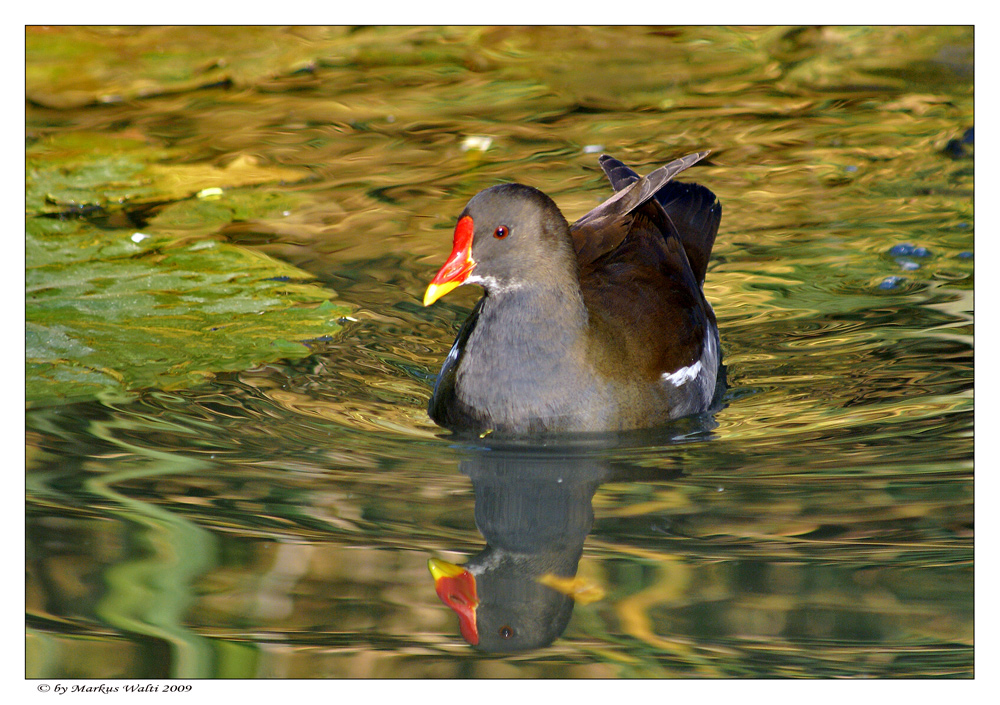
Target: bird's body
598, 326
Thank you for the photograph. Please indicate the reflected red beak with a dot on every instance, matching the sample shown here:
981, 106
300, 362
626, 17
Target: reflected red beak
457, 588
459, 265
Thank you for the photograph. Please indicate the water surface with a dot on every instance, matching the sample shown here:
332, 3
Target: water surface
275, 521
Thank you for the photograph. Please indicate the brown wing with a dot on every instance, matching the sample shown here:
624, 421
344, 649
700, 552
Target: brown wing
693, 211
603, 229
647, 298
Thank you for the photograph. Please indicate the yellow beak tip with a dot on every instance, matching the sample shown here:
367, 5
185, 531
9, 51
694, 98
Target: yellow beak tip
436, 291
443, 569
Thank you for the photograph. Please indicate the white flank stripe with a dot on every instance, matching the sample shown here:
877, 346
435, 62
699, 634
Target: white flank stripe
683, 375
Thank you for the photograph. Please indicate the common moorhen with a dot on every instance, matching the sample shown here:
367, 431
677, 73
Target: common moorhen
597, 326
534, 510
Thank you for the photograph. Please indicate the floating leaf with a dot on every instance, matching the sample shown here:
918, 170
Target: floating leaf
106, 313
84, 170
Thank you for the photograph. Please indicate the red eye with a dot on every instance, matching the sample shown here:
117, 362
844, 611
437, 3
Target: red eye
501, 232
506, 632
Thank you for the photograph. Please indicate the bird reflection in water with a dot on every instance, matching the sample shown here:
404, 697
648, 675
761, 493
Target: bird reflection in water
533, 507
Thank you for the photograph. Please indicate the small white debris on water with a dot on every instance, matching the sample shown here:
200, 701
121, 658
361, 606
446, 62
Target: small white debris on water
138, 237
477, 142
593, 148
213, 192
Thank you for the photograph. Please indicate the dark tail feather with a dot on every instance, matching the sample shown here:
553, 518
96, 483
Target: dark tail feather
618, 174
695, 213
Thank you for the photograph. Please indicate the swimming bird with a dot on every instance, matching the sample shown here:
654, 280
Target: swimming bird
601, 325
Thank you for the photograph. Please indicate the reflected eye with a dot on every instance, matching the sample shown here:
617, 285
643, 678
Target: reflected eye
506, 632
501, 232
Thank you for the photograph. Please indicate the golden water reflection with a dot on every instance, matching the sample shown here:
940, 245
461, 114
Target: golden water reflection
276, 522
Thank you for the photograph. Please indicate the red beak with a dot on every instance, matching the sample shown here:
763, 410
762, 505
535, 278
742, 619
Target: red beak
457, 588
459, 265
